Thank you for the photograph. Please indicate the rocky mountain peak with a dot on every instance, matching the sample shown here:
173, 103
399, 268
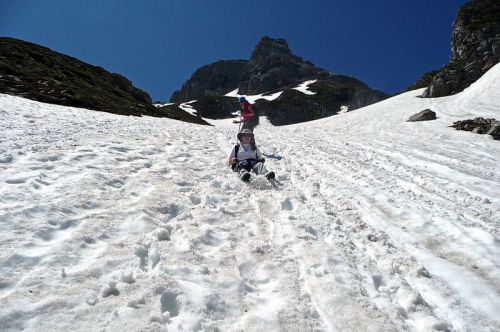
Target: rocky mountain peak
476, 28
272, 65
268, 48
475, 48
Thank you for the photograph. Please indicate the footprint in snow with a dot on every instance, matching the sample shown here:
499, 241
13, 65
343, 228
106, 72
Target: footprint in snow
115, 183
6, 159
83, 157
170, 210
49, 158
169, 303
119, 149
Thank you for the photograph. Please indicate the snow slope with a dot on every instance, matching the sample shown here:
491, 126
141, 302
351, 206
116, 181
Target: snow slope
111, 223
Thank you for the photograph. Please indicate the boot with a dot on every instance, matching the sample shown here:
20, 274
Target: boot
245, 175
270, 175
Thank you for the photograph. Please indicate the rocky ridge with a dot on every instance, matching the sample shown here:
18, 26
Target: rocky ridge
35, 72
272, 67
475, 48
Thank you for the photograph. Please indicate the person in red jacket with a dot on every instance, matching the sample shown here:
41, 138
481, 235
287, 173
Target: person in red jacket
248, 117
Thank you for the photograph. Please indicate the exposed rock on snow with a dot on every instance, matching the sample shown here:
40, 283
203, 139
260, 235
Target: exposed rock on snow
480, 126
424, 115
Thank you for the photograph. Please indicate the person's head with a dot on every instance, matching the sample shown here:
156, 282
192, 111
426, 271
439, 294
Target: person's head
242, 99
246, 137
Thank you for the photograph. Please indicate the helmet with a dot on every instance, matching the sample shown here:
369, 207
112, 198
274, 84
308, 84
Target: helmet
242, 99
245, 132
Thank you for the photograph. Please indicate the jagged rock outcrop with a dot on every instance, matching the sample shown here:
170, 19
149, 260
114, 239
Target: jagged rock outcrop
425, 115
293, 106
480, 126
214, 79
475, 48
36, 72
330, 94
216, 107
273, 67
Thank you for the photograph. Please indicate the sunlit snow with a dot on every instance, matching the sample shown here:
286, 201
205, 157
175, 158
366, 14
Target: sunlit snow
253, 98
114, 223
188, 108
304, 87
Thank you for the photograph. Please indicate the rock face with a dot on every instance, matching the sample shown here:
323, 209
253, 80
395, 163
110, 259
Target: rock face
475, 48
272, 67
425, 115
36, 72
215, 79
480, 126
330, 95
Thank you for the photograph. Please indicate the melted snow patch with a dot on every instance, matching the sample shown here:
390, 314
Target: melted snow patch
254, 98
188, 108
161, 105
303, 87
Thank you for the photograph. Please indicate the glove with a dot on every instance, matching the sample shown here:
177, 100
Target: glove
261, 160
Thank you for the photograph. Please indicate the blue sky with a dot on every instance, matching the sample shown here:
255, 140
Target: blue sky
387, 44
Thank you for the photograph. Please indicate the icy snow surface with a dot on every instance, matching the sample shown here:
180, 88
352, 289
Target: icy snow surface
114, 223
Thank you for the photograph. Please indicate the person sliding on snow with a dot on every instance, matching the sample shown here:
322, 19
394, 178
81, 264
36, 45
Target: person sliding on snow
246, 157
249, 120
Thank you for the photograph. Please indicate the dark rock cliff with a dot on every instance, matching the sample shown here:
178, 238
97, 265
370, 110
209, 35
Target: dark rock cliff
36, 72
272, 67
214, 79
475, 48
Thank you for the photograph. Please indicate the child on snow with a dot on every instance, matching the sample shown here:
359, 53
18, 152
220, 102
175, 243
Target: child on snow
246, 157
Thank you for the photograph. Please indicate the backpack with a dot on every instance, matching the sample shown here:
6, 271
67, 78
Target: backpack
237, 148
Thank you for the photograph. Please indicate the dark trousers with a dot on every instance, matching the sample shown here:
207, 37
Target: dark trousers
250, 165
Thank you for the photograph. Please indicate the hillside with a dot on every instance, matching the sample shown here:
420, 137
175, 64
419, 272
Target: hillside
39, 73
127, 223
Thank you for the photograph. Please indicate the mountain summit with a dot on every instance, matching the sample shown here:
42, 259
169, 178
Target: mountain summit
271, 66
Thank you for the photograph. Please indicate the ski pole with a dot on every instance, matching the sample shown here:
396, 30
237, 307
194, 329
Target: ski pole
238, 129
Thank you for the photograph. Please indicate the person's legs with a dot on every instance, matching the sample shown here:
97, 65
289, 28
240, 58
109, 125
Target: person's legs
247, 125
244, 170
259, 168
243, 166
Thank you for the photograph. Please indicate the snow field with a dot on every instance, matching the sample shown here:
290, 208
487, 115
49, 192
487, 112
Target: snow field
110, 222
